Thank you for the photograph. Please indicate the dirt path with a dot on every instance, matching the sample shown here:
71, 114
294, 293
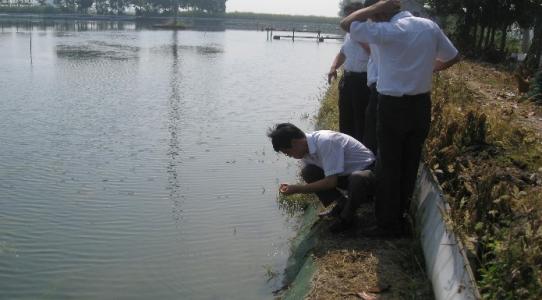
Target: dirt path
351, 266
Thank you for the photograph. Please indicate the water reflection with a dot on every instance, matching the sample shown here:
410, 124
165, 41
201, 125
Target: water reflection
67, 25
97, 49
174, 119
64, 26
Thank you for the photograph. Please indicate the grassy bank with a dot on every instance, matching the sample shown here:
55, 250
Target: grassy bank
487, 156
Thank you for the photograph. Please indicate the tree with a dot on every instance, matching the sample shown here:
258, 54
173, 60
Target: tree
481, 26
83, 5
532, 61
342, 4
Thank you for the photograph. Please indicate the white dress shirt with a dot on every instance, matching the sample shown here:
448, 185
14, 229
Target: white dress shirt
372, 65
356, 57
408, 47
337, 153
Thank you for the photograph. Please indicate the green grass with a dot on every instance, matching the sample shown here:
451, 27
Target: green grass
328, 115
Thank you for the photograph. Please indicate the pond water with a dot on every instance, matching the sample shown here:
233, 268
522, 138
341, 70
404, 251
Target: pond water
134, 163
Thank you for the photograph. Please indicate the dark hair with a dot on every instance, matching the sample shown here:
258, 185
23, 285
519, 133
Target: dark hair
282, 135
352, 7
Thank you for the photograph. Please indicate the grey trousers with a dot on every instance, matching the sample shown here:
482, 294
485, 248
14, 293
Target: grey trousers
402, 126
359, 184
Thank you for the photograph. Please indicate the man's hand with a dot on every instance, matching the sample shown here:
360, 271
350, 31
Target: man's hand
331, 75
289, 189
440, 65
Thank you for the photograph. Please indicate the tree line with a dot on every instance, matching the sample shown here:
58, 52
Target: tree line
481, 28
142, 7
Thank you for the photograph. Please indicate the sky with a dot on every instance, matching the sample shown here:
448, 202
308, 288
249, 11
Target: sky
328, 8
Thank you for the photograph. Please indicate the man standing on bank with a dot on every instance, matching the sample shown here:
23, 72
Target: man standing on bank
353, 90
332, 160
410, 50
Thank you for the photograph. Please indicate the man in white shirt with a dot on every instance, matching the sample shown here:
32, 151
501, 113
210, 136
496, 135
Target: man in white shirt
353, 90
410, 50
331, 160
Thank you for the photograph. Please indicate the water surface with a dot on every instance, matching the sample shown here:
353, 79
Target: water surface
134, 163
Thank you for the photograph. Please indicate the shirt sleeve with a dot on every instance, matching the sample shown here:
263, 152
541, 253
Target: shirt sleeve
445, 49
332, 155
369, 32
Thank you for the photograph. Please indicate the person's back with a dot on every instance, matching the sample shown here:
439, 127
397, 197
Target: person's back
410, 45
337, 153
408, 48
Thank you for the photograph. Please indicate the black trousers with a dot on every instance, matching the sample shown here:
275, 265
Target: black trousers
402, 126
369, 135
359, 184
353, 100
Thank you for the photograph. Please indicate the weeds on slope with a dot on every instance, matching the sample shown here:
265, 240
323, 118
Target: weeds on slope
491, 171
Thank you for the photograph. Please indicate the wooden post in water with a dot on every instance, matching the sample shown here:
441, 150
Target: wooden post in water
293, 34
31, 46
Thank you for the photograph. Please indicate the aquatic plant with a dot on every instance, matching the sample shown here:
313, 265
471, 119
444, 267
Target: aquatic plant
294, 205
270, 274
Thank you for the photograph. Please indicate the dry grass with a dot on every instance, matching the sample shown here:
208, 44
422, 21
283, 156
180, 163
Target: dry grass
350, 263
487, 154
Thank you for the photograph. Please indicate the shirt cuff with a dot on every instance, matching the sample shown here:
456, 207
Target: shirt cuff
333, 172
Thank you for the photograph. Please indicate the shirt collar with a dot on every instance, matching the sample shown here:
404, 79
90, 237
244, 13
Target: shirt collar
311, 143
400, 15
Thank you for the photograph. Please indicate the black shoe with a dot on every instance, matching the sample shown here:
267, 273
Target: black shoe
379, 232
340, 225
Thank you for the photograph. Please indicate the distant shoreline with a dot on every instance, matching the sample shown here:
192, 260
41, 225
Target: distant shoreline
230, 20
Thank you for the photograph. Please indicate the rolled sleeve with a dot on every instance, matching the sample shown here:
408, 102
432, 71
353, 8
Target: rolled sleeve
445, 49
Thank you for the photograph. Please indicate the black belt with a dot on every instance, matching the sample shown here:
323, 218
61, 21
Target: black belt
350, 73
408, 96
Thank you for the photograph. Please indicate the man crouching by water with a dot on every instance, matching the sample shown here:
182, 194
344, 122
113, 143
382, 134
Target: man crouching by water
331, 160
